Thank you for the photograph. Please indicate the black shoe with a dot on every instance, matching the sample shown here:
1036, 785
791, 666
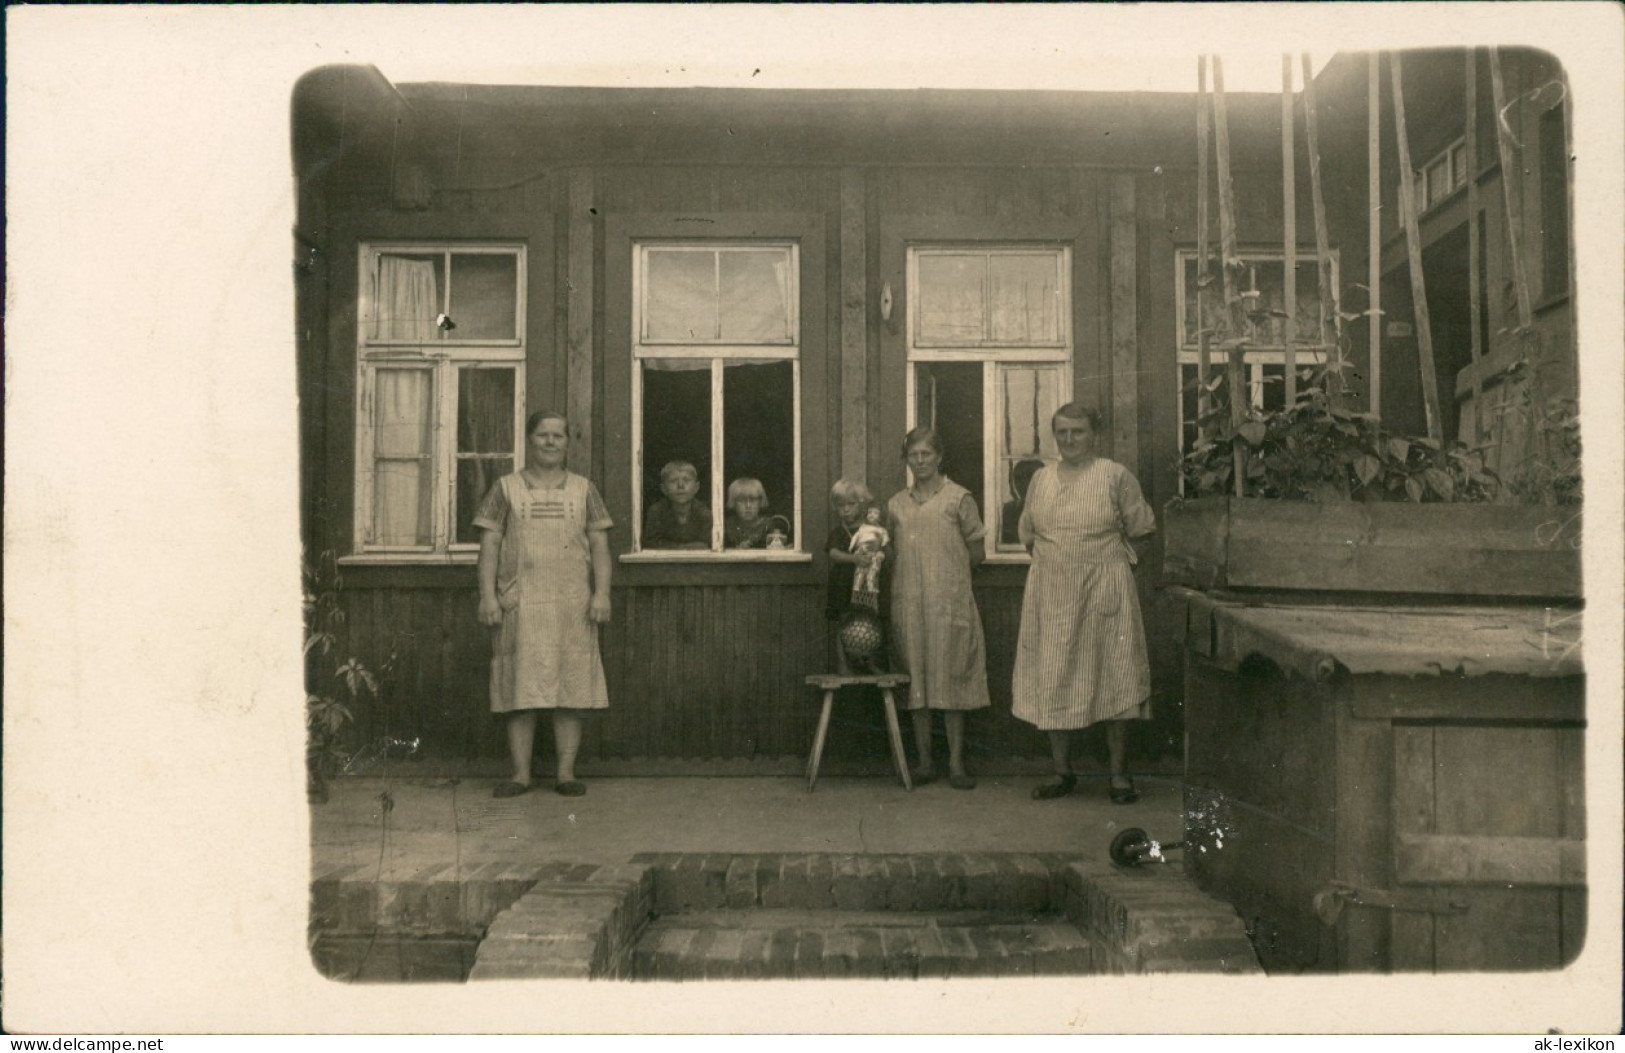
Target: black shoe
1124, 794
1062, 786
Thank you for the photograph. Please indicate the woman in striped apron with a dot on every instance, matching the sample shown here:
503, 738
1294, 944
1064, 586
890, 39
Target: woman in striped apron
544, 586
1081, 658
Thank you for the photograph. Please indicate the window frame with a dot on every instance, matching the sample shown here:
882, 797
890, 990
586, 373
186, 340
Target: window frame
1457, 170
444, 364
1059, 355
622, 232
1256, 357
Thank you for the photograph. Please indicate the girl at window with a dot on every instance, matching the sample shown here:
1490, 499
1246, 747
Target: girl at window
544, 571
936, 629
745, 526
677, 520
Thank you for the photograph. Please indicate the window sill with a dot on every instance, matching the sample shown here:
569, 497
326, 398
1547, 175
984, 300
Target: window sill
411, 559
696, 556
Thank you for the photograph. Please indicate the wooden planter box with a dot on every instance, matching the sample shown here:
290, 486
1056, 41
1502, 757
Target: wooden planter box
1511, 551
1385, 720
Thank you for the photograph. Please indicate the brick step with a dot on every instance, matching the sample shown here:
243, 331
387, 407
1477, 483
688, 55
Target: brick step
1023, 883
836, 944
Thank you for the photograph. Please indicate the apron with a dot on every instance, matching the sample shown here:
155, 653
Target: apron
546, 651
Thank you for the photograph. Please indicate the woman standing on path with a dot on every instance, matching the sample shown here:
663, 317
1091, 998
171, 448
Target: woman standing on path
544, 572
936, 629
1081, 657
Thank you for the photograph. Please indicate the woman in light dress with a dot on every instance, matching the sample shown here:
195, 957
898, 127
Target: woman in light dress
1081, 657
936, 630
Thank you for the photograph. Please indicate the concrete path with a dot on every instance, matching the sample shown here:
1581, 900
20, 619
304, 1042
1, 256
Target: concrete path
395, 827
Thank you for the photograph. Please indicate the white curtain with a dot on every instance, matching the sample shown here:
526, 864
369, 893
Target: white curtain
408, 301
401, 457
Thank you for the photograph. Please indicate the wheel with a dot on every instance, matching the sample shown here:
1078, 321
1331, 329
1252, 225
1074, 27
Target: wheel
1129, 846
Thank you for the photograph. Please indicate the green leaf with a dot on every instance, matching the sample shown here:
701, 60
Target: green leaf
1253, 431
1367, 468
1440, 482
1415, 489
1399, 449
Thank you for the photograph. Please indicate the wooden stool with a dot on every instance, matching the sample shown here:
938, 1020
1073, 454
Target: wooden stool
831, 684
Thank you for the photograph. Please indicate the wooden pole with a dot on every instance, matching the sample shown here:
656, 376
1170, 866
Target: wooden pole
1413, 246
1289, 204
1527, 338
1373, 230
1509, 169
1203, 274
1475, 293
1230, 264
1330, 319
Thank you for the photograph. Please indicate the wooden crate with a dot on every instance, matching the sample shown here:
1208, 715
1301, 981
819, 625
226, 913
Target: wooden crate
1379, 820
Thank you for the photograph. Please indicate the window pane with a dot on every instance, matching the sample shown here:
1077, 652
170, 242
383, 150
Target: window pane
485, 410
1439, 185
402, 465
1028, 397
755, 296
1458, 164
680, 295
475, 477
1215, 319
407, 298
1026, 300
484, 296
1269, 387
485, 429
676, 427
759, 422
1270, 276
950, 399
951, 308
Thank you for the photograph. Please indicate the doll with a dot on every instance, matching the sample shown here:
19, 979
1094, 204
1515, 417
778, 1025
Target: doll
870, 540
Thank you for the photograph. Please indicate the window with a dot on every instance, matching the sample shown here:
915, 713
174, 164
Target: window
1265, 360
440, 375
716, 385
1442, 176
990, 361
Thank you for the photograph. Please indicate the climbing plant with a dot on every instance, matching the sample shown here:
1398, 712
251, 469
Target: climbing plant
1318, 450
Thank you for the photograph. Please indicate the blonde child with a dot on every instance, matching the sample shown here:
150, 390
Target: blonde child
678, 520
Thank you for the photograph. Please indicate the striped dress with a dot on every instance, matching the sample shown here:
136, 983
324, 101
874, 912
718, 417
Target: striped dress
1081, 657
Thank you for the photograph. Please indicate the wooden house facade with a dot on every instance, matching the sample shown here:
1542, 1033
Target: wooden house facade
774, 284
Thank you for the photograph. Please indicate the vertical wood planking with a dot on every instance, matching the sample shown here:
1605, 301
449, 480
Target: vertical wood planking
1413, 935
579, 299
1364, 826
854, 418
1498, 781
1125, 333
